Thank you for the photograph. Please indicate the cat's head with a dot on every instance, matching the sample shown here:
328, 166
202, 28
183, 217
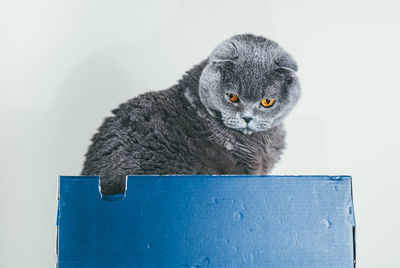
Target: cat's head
249, 83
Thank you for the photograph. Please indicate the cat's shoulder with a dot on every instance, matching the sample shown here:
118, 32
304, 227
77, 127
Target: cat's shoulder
154, 108
150, 102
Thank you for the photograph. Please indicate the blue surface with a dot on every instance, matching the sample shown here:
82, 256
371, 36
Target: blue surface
207, 221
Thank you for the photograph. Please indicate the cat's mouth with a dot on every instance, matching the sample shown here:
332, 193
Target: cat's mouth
247, 130
244, 128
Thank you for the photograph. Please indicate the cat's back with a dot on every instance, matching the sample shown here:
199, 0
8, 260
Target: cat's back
149, 130
145, 113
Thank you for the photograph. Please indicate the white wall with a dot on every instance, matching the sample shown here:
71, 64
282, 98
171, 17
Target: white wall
65, 64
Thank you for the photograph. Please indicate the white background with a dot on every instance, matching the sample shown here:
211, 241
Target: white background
65, 64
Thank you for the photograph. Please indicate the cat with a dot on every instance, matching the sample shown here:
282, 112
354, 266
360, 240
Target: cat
224, 116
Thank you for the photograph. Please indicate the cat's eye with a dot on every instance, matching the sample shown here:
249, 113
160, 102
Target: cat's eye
232, 97
267, 102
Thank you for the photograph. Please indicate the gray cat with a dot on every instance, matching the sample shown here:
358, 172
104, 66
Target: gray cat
223, 117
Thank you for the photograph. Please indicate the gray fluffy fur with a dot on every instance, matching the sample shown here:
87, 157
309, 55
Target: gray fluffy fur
193, 128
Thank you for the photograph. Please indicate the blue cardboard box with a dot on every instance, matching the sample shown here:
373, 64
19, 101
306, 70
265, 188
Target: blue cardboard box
207, 221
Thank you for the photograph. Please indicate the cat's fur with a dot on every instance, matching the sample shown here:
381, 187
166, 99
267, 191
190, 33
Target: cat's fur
193, 128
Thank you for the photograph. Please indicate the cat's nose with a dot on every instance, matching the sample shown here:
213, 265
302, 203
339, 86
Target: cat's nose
247, 119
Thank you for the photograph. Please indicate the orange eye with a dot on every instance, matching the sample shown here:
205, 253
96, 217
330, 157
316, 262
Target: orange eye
267, 102
232, 97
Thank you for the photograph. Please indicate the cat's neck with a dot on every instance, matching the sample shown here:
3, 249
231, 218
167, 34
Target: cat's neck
188, 88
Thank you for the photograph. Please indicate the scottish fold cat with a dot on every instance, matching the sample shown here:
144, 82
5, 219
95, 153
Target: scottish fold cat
224, 116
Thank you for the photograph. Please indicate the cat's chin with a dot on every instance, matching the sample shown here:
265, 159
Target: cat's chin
247, 131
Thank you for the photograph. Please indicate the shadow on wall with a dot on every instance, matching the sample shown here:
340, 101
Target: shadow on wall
101, 82
91, 90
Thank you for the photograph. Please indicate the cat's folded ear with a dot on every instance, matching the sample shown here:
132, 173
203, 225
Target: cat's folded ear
223, 62
286, 65
225, 55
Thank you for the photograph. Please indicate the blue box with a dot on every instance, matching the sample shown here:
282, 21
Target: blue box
207, 221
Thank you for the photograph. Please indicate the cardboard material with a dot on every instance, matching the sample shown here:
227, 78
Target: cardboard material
207, 221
